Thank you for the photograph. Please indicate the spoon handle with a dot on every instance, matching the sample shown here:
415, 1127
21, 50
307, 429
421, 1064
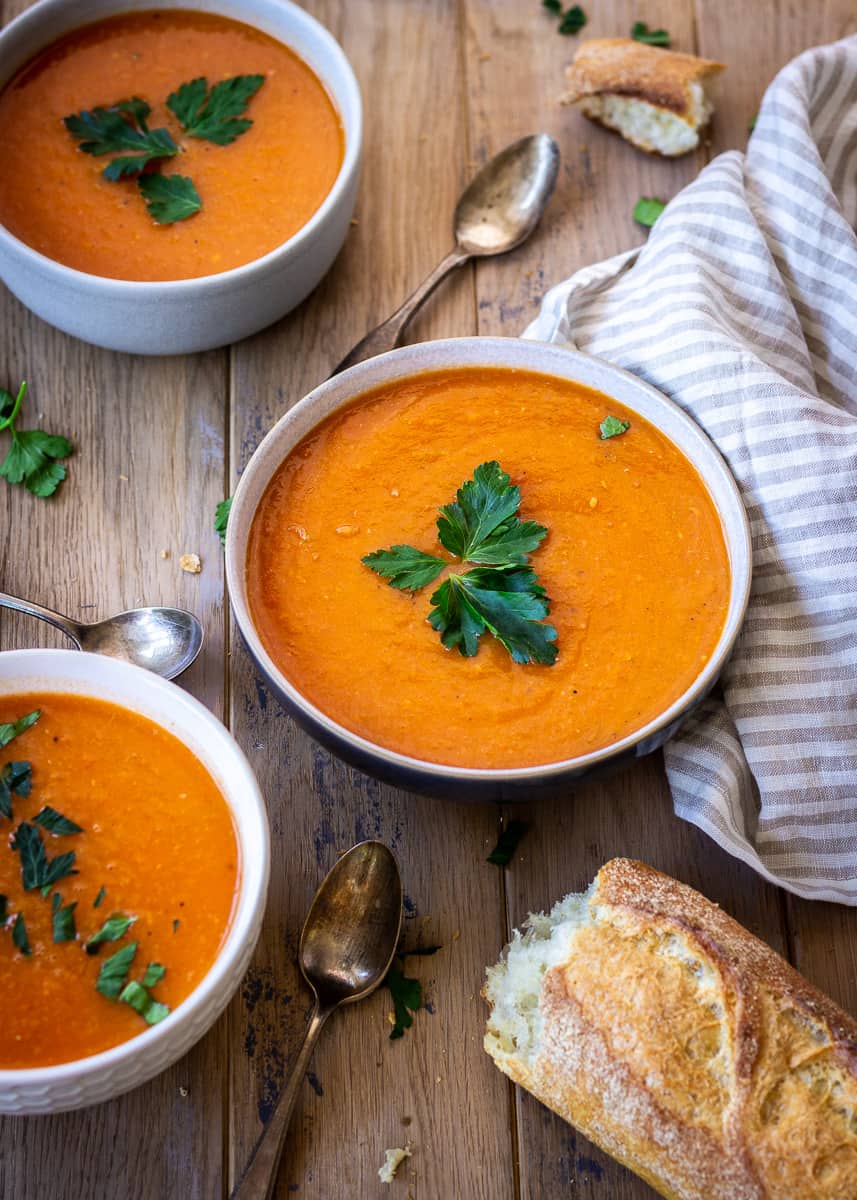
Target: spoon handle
260, 1174
387, 335
69, 628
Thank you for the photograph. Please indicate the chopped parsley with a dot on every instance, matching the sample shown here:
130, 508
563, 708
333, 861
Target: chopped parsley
115, 927
19, 935
214, 115
114, 971
34, 456
647, 210
570, 21
154, 974
54, 822
502, 594
15, 779
15, 728
613, 427
137, 995
63, 920
102, 892
176, 923
650, 37
221, 518
507, 843
37, 870
121, 130
407, 999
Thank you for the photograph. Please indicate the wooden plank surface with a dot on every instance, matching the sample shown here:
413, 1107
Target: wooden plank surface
445, 84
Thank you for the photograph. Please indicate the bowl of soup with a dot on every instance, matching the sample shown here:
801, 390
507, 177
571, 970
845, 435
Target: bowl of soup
133, 876
486, 567
177, 175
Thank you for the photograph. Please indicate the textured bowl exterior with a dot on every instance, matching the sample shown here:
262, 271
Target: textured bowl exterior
108, 1074
187, 315
459, 782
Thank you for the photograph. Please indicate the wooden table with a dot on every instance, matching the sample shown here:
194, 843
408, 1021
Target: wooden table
159, 441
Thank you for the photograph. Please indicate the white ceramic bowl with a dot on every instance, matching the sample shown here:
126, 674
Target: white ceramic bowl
463, 782
182, 316
102, 1076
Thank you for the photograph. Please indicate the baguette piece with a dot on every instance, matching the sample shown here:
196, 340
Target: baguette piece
655, 98
679, 1043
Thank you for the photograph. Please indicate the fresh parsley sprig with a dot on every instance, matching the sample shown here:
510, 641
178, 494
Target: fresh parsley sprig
221, 518
650, 37
571, 21
612, 427
33, 457
37, 870
214, 115
13, 729
114, 928
647, 210
15, 780
501, 594
121, 126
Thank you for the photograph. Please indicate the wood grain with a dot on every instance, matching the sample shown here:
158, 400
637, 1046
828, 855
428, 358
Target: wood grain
445, 83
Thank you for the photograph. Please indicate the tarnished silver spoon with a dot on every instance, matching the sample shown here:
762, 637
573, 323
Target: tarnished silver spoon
163, 640
496, 212
347, 944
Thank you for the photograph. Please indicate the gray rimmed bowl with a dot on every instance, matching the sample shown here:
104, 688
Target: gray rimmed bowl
186, 315
466, 782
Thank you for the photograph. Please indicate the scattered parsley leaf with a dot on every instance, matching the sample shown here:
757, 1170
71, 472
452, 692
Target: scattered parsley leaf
19, 935
613, 427
138, 997
15, 779
751, 124
37, 870
176, 923
169, 198
650, 37
507, 843
553, 6
4, 911
15, 728
102, 892
481, 526
63, 920
115, 927
407, 998
121, 126
32, 457
213, 115
572, 20
647, 210
221, 518
54, 822
154, 974
114, 971
404, 567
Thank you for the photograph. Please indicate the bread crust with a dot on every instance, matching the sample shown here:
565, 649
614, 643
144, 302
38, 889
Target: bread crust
692, 1052
624, 67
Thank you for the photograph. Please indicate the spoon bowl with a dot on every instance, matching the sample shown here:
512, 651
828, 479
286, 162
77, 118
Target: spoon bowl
163, 640
503, 204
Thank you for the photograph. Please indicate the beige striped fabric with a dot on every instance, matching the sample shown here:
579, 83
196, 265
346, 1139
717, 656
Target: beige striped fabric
742, 307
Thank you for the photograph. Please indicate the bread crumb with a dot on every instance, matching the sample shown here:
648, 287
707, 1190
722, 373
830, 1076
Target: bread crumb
393, 1159
354, 221
485, 57
347, 530
391, 1017
182, 1091
593, 501
124, 478
191, 563
456, 935
165, 554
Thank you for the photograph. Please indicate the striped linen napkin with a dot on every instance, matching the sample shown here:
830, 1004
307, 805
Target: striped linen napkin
742, 307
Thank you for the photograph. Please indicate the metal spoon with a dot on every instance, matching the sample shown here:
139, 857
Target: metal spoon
164, 640
347, 944
499, 210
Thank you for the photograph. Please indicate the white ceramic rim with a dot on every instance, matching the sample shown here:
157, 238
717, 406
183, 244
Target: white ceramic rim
520, 354
57, 669
341, 86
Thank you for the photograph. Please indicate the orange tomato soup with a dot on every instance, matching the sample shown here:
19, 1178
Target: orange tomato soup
634, 563
256, 193
158, 838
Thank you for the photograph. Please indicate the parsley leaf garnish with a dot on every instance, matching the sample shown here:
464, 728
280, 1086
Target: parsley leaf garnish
221, 518
15, 779
63, 920
154, 974
613, 427
572, 20
169, 198
14, 728
503, 594
102, 892
55, 822
33, 456
507, 843
213, 115
122, 126
19, 935
647, 210
650, 37
37, 870
407, 999
115, 927
137, 995
114, 971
